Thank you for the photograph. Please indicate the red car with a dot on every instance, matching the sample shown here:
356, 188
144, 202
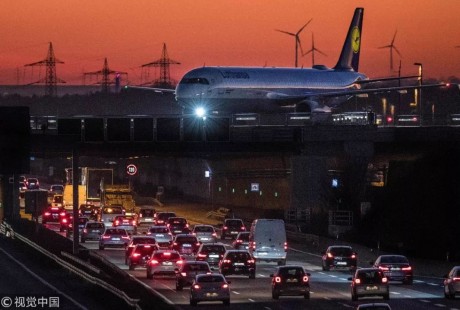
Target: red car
53, 214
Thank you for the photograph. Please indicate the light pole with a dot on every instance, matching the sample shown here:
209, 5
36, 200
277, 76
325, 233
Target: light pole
420, 82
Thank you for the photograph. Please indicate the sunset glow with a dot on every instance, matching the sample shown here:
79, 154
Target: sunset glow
224, 32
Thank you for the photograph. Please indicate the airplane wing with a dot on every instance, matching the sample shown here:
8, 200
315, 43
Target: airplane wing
368, 81
157, 90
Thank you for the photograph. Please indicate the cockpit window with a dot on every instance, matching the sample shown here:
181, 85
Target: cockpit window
195, 81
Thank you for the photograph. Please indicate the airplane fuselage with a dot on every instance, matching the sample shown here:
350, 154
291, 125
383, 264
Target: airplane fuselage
248, 89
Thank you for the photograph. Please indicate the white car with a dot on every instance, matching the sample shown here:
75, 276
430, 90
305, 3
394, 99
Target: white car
162, 235
164, 262
205, 233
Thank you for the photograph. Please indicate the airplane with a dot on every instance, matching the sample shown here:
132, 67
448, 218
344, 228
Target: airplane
217, 90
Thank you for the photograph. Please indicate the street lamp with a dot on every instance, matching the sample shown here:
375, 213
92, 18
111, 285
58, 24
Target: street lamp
420, 82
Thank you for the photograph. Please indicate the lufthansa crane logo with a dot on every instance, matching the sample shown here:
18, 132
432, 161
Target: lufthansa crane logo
355, 39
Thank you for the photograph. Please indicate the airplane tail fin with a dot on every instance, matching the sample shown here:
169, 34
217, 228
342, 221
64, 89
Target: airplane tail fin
349, 57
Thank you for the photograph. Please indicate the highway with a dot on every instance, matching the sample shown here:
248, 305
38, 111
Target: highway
329, 290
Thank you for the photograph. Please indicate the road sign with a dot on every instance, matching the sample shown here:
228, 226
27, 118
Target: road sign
254, 187
131, 169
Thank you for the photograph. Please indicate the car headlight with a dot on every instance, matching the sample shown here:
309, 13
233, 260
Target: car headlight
200, 112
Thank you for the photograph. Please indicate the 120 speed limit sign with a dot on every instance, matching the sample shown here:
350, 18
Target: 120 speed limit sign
131, 169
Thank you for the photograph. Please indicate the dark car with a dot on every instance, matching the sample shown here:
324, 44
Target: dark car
65, 220
92, 231
339, 256
210, 287
88, 210
162, 217
211, 253
452, 283
369, 282
81, 225
114, 237
290, 280
178, 225
231, 228
53, 214
238, 262
185, 244
32, 183
139, 239
187, 272
241, 241
395, 268
140, 255
127, 222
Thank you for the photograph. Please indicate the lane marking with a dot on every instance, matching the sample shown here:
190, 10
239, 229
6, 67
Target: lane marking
251, 300
235, 292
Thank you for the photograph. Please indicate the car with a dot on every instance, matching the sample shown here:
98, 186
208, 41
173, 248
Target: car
127, 222
57, 200
88, 210
178, 225
239, 262
57, 189
290, 280
65, 221
163, 236
164, 262
231, 228
92, 231
339, 256
211, 253
205, 233
267, 241
32, 183
22, 187
114, 237
139, 239
162, 217
81, 225
185, 244
140, 255
146, 215
374, 306
241, 241
210, 287
369, 282
53, 214
452, 282
188, 271
395, 268
108, 213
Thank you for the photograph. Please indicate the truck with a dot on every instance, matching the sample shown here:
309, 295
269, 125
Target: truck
119, 194
90, 182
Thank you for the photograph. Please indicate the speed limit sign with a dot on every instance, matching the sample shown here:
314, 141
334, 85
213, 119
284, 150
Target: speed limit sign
131, 169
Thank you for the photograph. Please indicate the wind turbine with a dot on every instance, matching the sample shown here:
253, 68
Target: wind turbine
297, 39
313, 50
391, 46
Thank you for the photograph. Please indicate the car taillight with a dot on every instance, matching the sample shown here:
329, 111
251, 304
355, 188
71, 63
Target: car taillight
105, 237
175, 243
64, 220
456, 279
358, 281
384, 280
197, 244
225, 285
278, 279
251, 261
243, 228
149, 233
214, 234
186, 225
125, 237
202, 255
140, 215
194, 234
305, 279
168, 225
153, 262
180, 262
408, 268
285, 246
384, 268
196, 287
225, 228
330, 255
117, 222
62, 214
47, 213
226, 261
136, 254
184, 274
134, 223
85, 230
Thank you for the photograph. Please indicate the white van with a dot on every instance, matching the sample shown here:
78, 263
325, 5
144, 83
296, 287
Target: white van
267, 240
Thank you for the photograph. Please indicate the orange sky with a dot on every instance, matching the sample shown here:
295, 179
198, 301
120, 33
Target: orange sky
221, 32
